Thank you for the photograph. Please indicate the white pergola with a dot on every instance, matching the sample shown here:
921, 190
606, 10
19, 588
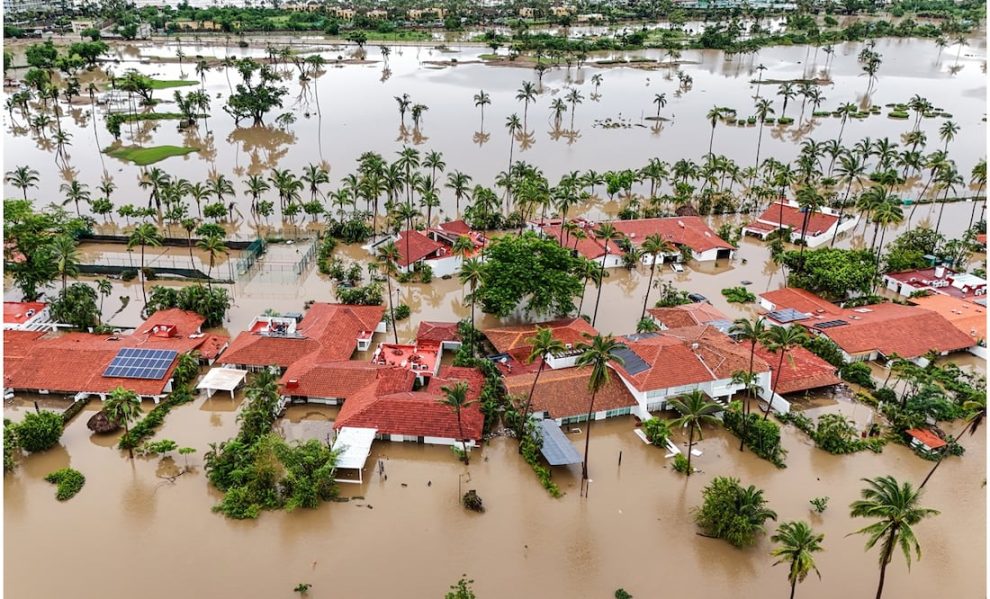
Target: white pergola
222, 379
354, 445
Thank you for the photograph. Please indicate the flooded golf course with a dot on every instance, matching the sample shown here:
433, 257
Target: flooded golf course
142, 528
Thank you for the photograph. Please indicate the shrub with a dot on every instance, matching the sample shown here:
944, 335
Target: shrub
622, 594
858, 373
732, 512
738, 295
128, 274
425, 273
402, 312
826, 349
369, 295
898, 114
147, 425
68, 482
761, 436
657, 431
472, 501
531, 444
10, 445
785, 120
324, 252
39, 431
819, 504
681, 463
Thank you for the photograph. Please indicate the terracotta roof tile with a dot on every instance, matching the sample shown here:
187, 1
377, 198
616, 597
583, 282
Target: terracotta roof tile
564, 393
690, 231
908, 331
16, 312
801, 370
966, 316
516, 338
688, 315
800, 300
927, 437
792, 217
437, 332
420, 246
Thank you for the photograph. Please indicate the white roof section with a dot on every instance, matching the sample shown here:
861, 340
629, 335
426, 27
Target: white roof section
222, 379
355, 446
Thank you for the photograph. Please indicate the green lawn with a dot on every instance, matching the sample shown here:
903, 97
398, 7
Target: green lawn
167, 83
145, 156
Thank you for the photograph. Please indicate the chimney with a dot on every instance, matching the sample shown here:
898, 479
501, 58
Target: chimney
292, 384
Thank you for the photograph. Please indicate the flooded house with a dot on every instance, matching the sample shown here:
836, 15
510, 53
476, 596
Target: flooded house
514, 344
88, 364
817, 228
417, 249
875, 331
936, 280
689, 315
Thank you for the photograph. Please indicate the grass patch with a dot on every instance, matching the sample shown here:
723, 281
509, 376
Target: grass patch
145, 156
68, 482
150, 116
170, 83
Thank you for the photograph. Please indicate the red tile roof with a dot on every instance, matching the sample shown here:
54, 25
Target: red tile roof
16, 346
457, 227
801, 370
800, 300
16, 312
511, 338
420, 246
908, 331
927, 437
418, 413
564, 393
329, 331
792, 217
437, 332
690, 231
589, 246
687, 315
339, 380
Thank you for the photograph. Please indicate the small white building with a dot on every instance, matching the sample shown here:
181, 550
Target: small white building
819, 227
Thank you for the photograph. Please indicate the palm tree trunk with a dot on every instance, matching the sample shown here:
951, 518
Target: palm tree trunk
973, 213
529, 400
646, 298
886, 560
601, 281
793, 587
776, 381
391, 309
144, 293
460, 428
587, 436
690, 446
584, 291
130, 450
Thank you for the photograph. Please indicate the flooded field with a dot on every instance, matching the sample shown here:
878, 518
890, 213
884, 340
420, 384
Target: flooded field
144, 528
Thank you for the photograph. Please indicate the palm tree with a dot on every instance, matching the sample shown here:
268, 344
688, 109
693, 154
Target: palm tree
752, 331
605, 232
653, 246
713, 117
948, 179
896, 508
470, 274
526, 94
660, 100
764, 108
597, 355
482, 99
976, 406
786, 90
574, 97
434, 161
978, 177
22, 178
852, 169
404, 103
513, 125
543, 344
144, 235
123, 407
105, 288
695, 410
388, 255
455, 398
66, 257
798, 544
75, 192
781, 339
213, 245
558, 107
460, 184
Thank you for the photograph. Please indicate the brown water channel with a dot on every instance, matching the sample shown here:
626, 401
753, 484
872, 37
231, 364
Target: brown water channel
132, 531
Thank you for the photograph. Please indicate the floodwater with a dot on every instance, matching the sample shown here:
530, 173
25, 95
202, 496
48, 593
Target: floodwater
407, 536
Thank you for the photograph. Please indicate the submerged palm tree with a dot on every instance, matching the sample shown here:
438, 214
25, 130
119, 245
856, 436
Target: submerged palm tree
482, 99
123, 407
22, 178
388, 255
144, 235
781, 339
895, 506
798, 544
471, 272
695, 410
455, 398
543, 344
654, 246
213, 245
597, 355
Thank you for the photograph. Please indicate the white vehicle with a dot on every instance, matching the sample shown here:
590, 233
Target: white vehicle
676, 267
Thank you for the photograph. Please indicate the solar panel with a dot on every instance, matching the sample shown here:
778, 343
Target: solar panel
557, 449
787, 315
630, 361
828, 324
641, 336
137, 363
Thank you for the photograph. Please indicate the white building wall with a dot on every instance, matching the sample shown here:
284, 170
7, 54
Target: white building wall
448, 265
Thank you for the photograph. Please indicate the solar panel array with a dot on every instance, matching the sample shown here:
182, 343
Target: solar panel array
135, 363
787, 315
630, 361
828, 324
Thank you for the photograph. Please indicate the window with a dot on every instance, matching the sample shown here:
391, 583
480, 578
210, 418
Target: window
573, 419
617, 412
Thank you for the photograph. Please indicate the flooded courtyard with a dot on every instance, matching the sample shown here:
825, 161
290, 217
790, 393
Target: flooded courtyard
142, 527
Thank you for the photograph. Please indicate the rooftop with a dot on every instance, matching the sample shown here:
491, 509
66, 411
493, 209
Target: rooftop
21, 312
801, 370
516, 339
966, 316
801, 301
563, 393
927, 437
789, 215
418, 245
687, 315
418, 359
437, 332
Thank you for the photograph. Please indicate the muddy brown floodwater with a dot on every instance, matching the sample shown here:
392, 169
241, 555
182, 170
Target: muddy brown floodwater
136, 528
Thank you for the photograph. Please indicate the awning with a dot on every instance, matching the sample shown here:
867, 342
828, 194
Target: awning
222, 379
354, 445
557, 448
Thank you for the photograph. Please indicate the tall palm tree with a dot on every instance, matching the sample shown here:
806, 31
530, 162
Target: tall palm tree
213, 245
752, 331
597, 354
976, 406
798, 544
764, 108
605, 232
526, 94
947, 132
574, 98
482, 99
513, 125
781, 339
460, 184
470, 274
695, 410
852, 169
653, 246
105, 288
948, 179
786, 91
455, 398
144, 235
256, 186
22, 177
404, 103
388, 255
978, 177
75, 192
713, 117
543, 344
66, 257
895, 506
660, 100
123, 407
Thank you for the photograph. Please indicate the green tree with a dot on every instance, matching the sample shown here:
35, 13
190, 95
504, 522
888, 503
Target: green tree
695, 410
798, 544
76, 306
22, 178
255, 97
123, 407
732, 512
66, 256
214, 247
654, 247
543, 344
896, 510
455, 397
39, 431
597, 354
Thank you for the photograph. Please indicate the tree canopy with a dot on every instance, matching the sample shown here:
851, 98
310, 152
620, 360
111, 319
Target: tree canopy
832, 273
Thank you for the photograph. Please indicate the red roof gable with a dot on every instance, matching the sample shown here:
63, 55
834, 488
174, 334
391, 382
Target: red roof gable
690, 231
437, 332
800, 300
16, 346
792, 217
331, 379
564, 393
458, 227
511, 338
687, 315
927, 437
419, 246
801, 370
